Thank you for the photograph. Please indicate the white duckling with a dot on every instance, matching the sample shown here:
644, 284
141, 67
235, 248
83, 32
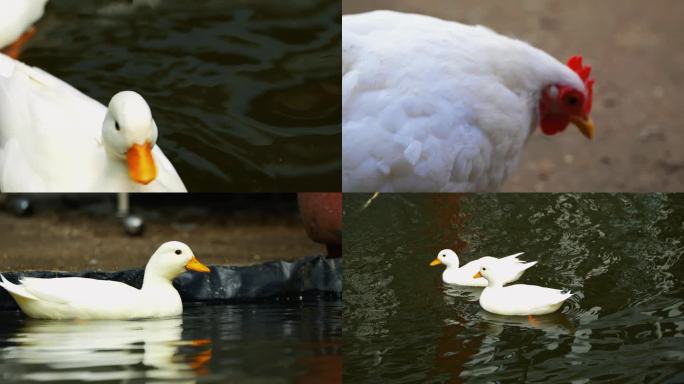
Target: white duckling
82, 298
518, 299
464, 275
16, 23
54, 138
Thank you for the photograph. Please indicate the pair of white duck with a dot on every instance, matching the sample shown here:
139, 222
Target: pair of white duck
493, 274
82, 298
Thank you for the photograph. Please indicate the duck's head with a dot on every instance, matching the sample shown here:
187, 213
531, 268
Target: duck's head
446, 257
492, 273
129, 133
173, 258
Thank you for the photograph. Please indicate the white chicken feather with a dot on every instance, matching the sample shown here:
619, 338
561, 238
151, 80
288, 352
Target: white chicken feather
432, 105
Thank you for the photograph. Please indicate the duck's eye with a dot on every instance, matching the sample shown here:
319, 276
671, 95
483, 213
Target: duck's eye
178, 252
484, 269
116, 125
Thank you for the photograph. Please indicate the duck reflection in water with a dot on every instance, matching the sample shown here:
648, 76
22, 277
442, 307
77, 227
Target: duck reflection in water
97, 350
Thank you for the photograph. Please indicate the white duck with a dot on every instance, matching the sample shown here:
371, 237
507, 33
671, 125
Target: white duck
54, 138
82, 298
518, 299
464, 275
16, 22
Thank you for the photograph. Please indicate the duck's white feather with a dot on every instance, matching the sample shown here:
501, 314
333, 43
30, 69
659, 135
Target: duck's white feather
82, 298
51, 140
17, 291
522, 300
432, 105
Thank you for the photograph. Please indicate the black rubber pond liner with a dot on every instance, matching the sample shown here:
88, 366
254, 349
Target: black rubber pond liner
311, 278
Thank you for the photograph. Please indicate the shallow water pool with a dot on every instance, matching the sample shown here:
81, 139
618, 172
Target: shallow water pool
265, 343
246, 94
621, 254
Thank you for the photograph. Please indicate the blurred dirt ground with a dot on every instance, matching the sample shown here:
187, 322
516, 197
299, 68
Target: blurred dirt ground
636, 50
74, 238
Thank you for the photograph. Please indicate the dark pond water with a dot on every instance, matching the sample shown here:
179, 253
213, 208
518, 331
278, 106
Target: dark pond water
210, 344
622, 254
246, 94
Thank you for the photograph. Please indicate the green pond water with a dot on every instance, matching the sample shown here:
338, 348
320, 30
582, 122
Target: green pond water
246, 94
620, 254
266, 343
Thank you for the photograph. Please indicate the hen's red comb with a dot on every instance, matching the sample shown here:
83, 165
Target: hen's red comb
575, 63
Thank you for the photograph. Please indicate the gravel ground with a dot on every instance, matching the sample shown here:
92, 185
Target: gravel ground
73, 240
636, 50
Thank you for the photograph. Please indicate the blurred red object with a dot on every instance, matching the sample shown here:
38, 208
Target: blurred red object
322, 217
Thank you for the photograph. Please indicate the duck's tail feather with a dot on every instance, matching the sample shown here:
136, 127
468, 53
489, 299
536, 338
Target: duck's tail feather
513, 258
529, 265
564, 294
15, 289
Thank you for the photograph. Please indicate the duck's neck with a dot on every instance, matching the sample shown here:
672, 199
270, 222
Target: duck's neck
494, 284
115, 171
154, 280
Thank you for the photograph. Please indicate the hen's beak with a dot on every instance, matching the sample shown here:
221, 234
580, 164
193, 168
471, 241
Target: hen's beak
141, 168
477, 275
195, 265
585, 125
435, 262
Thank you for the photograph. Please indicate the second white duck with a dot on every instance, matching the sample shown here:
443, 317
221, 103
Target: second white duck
518, 299
54, 138
82, 298
454, 274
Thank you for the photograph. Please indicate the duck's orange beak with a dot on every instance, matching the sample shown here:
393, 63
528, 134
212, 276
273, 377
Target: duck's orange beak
477, 275
195, 265
435, 262
141, 168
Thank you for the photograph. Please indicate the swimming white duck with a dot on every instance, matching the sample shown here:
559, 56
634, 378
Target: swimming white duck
82, 298
16, 23
464, 275
54, 138
518, 299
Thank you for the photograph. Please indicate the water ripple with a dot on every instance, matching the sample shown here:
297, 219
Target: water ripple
245, 94
622, 256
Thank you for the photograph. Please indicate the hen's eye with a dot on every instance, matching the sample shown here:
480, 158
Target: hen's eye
572, 100
116, 125
178, 252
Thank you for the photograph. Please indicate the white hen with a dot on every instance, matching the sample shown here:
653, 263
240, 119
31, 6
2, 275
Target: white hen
432, 105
